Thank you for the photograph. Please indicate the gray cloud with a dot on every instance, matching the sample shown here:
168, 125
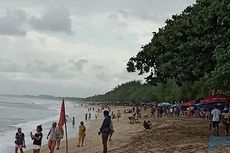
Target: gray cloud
125, 13
116, 22
13, 22
98, 67
108, 34
143, 14
113, 17
8, 66
17, 22
78, 65
43, 67
102, 73
54, 19
149, 16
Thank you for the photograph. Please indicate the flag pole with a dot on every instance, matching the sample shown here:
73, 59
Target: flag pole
66, 138
62, 121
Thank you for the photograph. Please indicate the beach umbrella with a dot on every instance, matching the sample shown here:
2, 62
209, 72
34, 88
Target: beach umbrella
218, 98
164, 104
186, 104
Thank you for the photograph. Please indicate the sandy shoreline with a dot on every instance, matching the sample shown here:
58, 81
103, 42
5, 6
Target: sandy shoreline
92, 140
168, 135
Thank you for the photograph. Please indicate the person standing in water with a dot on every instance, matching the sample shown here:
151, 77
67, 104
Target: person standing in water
73, 121
81, 134
86, 116
37, 137
52, 136
20, 141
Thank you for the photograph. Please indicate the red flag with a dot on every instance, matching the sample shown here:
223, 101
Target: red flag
62, 118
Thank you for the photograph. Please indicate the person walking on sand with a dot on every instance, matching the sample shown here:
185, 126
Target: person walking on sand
105, 130
111, 130
60, 135
215, 117
118, 115
37, 137
226, 120
81, 134
52, 136
20, 141
95, 116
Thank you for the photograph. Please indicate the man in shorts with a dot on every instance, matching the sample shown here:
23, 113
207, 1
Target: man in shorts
52, 136
105, 130
215, 117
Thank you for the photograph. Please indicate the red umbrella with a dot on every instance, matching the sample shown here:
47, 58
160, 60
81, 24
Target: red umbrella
218, 98
186, 104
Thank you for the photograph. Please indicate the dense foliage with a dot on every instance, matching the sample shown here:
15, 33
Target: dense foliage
136, 92
188, 58
193, 46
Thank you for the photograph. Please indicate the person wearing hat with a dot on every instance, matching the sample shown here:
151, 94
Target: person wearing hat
226, 120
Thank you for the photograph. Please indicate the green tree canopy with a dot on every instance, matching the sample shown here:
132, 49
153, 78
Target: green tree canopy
193, 45
135, 91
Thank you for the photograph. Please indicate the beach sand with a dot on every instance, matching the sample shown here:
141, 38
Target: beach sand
168, 135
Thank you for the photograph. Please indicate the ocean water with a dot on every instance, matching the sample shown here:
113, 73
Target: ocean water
28, 113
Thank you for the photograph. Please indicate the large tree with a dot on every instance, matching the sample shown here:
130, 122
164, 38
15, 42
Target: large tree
193, 45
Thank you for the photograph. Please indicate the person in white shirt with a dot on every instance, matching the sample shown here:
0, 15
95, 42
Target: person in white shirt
215, 117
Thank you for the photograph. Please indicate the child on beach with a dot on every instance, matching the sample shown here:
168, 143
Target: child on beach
20, 141
52, 136
81, 134
37, 137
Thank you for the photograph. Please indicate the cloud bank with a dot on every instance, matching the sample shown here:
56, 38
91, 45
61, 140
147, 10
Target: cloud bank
75, 48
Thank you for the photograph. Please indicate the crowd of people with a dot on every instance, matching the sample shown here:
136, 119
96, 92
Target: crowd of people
56, 132
54, 137
139, 114
215, 115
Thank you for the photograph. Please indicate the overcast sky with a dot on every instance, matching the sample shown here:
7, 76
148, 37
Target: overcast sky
75, 47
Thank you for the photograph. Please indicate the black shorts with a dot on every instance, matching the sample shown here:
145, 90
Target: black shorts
215, 124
